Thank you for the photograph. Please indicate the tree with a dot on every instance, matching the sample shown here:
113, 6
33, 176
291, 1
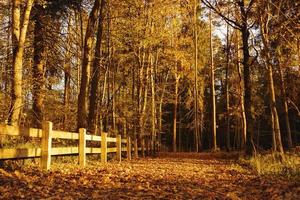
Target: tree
228, 145
242, 22
196, 128
213, 93
86, 65
94, 92
18, 39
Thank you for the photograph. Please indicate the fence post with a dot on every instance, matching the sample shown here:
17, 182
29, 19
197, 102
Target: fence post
143, 146
103, 147
128, 148
119, 148
136, 148
82, 145
46, 145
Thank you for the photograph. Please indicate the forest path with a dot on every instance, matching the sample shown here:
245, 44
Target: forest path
168, 176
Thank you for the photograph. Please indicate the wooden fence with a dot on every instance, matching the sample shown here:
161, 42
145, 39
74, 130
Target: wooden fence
46, 150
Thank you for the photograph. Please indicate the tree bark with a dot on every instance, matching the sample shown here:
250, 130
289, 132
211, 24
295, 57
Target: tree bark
19, 37
227, 91
264, 28
247, 78
241, 97
38, 78
196, 127
177, 77
86, 65
160, 113
277, 144
153, 105
94, 93
67, 76
285, 108
213, 93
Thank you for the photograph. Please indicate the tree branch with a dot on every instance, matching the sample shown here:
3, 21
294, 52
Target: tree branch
229, 21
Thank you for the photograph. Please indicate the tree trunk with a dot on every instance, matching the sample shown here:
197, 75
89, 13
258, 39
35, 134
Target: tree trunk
79, 47
67, 76
114, 125
38, 69
241, 96
160, 109
177, 77
213, 93
7, 73
286, 109
94, 93
227, 92
86, 65
247, 83
277, 144
276, 128
196, 130
144, 96
19, 37
153, 107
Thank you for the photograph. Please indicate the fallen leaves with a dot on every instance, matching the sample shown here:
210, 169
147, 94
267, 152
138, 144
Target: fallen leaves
179, 176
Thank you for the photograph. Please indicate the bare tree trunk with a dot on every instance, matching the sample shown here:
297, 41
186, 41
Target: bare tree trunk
276, 128
177, 77
108, 52
94, 93
213, 93
247, 78
286, 109
19, 37
196, 128
101, 116
114, 125
79, 49
141, 61
153, 106
67, 76
258, 133
38, 69
145, 96
160, 110
7, 69
277, 144
227, 92
86, 65
241, 96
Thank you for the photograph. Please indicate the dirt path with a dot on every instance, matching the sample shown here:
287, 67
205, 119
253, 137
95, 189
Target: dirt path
169, 176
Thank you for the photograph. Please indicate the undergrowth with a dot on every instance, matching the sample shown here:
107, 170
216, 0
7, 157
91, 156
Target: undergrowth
18, 142
270, 164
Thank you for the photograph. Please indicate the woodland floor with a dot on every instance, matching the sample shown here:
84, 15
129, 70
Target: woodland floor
168, 176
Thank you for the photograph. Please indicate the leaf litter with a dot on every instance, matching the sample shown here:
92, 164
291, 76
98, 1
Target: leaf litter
168, 176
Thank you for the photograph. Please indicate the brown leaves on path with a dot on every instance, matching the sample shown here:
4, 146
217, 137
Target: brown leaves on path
169, 176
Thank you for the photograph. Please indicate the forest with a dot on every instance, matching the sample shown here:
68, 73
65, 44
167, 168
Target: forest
201, 76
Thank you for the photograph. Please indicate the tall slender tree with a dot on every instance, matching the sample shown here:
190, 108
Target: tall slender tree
19, 32
196, 120
241, 22
213, 93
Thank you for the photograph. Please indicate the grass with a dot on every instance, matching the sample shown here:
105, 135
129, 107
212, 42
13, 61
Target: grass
269, 164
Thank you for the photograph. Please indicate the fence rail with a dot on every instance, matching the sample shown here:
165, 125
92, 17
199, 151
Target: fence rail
46, 134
